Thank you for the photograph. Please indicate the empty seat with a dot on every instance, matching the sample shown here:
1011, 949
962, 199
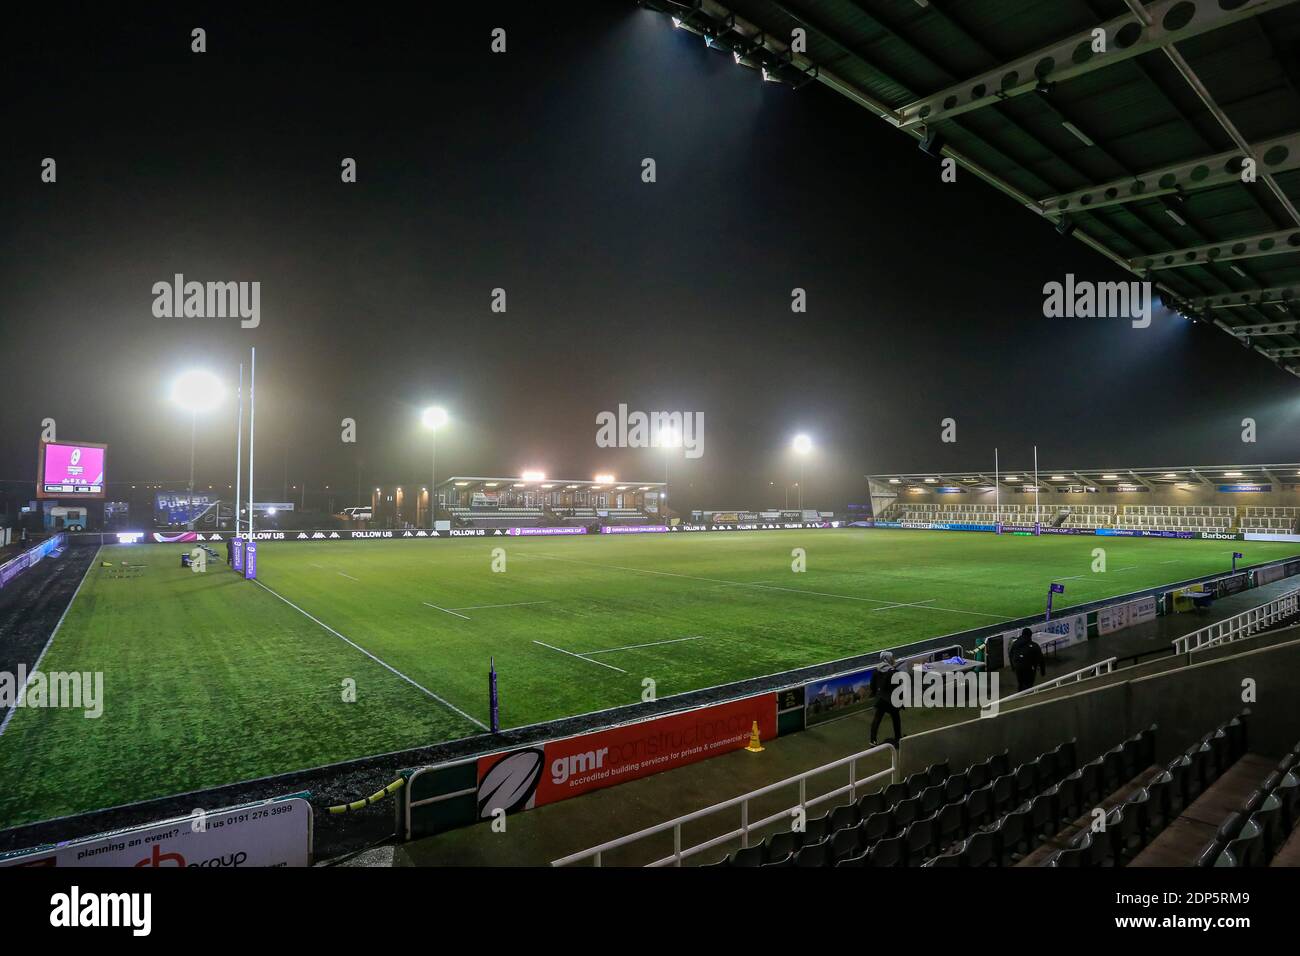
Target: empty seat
842, 817
876, 826
872, 803
814, 854
891, 851
749, 856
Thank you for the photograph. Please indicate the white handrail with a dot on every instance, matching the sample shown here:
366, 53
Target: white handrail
1092, 670
746, 825
1241, 625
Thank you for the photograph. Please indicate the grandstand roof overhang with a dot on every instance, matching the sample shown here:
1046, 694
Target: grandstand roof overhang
549, 484
1102, 477
1136, 151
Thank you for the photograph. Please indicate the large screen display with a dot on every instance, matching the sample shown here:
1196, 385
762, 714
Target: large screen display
71, 470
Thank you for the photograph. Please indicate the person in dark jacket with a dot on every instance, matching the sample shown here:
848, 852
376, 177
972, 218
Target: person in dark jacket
882, 689
1026, 657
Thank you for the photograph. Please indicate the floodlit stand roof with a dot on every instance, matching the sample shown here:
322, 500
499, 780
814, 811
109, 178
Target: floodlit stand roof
1105, 477
1137, 151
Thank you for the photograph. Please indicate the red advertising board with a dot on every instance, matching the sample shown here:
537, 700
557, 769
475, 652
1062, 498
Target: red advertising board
559, 769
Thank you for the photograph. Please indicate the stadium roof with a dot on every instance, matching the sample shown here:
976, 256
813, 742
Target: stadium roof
1136, 152
1108, 477
550, 483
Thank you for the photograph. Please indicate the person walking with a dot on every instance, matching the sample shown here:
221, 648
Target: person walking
882, 689
1026, 657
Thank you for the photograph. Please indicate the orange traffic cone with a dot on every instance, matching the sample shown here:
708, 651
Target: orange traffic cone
755, 745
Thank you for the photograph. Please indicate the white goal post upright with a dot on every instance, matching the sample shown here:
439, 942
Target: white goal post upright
239, 450
252, 421
997, 491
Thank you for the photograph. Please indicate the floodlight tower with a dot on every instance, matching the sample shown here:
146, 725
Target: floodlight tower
802, 446
197, 390
433, 418
670, 439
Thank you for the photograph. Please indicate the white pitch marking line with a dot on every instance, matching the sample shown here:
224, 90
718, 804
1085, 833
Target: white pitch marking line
444, 610
628, 647
349, 577
479, 607
580, 657
378, 660
889, 607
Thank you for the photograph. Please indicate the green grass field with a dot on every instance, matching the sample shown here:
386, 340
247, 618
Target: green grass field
210, 679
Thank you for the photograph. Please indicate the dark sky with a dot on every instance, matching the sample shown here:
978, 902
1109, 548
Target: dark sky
522, 171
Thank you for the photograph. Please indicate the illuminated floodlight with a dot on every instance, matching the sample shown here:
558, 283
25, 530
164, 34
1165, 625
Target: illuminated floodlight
1058, 478
533, 476
1109, 477
604, 479
1232, 474
802, 444
434, 417
197, 390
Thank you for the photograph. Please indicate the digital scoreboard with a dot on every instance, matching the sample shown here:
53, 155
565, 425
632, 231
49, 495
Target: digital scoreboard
71, 469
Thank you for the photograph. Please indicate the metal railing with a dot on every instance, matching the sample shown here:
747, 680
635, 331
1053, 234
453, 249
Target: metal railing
679, 853
1083, 673
1241, 625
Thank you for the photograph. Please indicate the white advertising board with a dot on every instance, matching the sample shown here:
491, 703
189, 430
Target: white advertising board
273, 833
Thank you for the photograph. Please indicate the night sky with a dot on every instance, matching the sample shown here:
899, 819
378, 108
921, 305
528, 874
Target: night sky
523, 171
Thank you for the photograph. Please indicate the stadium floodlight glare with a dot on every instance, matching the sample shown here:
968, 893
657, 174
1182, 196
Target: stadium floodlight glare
433, 418
604, 479
802, 445
1058, 478
1232, 474
1109, 477
533, 476
197, 390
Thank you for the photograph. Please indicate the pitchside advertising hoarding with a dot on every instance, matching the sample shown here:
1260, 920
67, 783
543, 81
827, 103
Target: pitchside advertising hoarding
71, 469
273, 833
559, 769
1050, 635
1116, 617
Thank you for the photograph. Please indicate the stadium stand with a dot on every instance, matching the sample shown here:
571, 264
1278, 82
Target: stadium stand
1277, 518
1216, 804
1178, 517
480, 516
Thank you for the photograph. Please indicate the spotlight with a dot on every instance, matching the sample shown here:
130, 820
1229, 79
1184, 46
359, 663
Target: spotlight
932, 143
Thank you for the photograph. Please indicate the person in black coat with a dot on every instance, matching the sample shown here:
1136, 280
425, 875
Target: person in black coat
1026, 657
882, 689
